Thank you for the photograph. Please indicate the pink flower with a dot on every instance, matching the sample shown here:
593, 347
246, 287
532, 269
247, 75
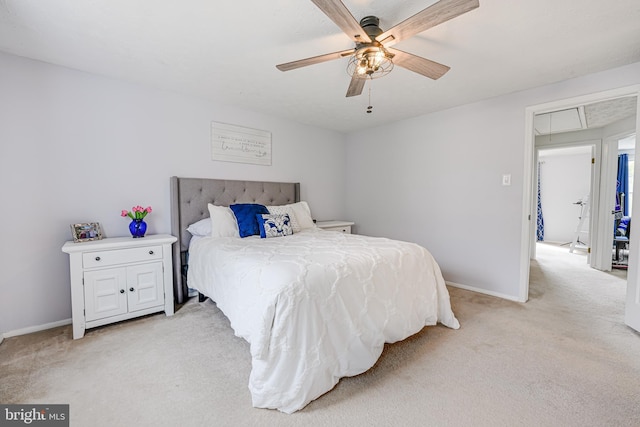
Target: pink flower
137, 212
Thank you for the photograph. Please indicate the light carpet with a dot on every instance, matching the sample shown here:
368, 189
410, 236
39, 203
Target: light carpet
564, 358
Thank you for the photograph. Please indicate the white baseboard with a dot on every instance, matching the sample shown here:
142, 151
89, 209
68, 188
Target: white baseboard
36, 328
484, 291
64, 322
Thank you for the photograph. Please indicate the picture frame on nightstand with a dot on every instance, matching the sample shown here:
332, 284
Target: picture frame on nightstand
86, 232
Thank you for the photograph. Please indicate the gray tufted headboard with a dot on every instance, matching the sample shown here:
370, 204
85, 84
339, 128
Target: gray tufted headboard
189, 200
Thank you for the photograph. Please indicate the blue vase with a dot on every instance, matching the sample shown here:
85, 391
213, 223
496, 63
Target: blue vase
137, 227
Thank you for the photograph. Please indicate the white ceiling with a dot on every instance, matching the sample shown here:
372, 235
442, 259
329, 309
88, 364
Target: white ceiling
590, 116
226, 51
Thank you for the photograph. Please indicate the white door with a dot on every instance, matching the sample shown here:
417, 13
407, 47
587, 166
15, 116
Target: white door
595, 244
632, 307
609, 173
144, 286
104, 294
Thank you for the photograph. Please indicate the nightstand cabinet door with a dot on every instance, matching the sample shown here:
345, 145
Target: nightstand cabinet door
104, 293
144, 286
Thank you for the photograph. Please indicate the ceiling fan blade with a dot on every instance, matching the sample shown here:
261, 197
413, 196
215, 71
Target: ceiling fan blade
419, 65
314, 60
356, 86
435, 14
338, 13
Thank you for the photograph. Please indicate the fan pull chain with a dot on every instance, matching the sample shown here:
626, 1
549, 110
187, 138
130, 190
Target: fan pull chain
370, 107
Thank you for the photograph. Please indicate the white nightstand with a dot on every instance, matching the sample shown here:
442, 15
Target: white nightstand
344, 226
119, 278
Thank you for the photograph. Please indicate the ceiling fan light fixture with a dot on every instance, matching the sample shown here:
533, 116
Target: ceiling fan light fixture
370, 62
372, 55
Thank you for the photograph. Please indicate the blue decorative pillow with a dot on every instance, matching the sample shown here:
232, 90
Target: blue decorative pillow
623, 226
246, 217
274, 225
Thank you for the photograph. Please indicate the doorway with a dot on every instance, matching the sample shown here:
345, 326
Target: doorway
565, 176
602, 211
624, 201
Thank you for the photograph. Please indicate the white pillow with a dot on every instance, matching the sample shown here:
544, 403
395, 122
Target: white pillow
200, 228
299, 213
303, 213
223, 222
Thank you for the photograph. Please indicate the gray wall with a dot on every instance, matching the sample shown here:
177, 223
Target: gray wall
437, 180
77, 147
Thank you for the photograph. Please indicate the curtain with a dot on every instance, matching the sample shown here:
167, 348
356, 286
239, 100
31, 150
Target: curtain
622, 186
540, 224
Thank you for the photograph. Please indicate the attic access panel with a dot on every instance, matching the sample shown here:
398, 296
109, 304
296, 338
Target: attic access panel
559, 121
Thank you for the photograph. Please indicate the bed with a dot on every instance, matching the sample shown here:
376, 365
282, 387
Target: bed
315, 305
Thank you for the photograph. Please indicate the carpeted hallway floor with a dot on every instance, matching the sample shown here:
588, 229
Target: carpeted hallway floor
564, 358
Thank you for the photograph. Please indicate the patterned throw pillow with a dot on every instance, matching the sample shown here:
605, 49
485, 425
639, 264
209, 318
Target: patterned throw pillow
274, 225
299, 214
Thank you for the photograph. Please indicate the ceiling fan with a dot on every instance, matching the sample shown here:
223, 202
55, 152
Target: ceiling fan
372, 56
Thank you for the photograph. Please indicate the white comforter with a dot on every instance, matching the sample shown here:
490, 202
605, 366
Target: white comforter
318, 305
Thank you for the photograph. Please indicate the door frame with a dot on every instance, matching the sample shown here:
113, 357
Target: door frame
609, 176
595, 145
528, 224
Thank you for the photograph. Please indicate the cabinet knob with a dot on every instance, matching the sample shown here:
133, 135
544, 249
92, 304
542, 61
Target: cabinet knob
150, 252
131, 289
97, 258
122, 291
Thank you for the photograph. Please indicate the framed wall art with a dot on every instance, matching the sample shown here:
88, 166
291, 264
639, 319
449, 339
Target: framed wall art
230, 143
86, 231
